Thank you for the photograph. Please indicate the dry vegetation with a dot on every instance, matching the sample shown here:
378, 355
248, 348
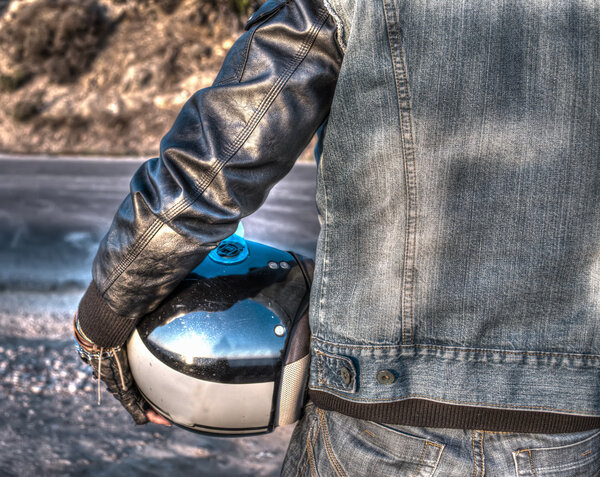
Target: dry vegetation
106, 76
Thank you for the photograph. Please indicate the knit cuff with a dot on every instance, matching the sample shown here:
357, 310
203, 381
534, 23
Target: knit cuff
100, 323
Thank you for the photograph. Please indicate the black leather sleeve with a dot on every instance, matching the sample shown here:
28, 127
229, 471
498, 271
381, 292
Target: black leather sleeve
229, 145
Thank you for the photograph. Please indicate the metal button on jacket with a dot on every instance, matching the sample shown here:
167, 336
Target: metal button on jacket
385, 377
346, 376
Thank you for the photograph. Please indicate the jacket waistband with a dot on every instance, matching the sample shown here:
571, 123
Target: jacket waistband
423, 413
360, 376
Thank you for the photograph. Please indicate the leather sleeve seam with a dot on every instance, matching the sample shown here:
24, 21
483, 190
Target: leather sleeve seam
230, 151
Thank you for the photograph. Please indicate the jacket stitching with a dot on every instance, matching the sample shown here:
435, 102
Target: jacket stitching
449, 401
277, 87
469, 350
239, 71
321, 356
135, 250
320, 368
229, 151
254, 26
325, 261
242, 67
236, 74
409, 172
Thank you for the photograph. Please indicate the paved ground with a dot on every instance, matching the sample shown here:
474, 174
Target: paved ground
53, 212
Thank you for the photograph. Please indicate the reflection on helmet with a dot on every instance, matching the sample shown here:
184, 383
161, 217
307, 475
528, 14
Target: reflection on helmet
227, 352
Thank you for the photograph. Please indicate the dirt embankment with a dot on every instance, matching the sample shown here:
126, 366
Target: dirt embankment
106, 76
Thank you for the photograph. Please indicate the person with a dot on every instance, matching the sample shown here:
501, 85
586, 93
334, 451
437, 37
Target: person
456, 297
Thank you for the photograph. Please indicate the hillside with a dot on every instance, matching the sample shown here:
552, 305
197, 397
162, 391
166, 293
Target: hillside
106, 76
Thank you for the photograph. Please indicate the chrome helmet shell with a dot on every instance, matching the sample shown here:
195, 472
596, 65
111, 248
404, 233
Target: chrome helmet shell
227, 353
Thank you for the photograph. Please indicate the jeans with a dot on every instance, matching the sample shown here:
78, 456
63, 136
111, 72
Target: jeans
326, 443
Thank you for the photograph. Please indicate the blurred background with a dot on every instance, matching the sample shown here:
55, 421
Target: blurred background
106, 76
87, 89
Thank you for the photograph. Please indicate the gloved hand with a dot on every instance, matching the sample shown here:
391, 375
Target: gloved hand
112, 367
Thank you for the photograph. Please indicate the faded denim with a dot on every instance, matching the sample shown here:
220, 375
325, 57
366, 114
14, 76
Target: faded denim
326, 443
458, 190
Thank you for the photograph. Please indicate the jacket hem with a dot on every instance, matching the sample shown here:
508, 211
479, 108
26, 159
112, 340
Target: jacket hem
424, 413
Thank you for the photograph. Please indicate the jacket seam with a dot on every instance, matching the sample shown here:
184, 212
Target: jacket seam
134, 252
468, 350
408, 152
321, 355
440, 400
242, 68
322, 284
236, 75
232, 148
320, 373
229, 151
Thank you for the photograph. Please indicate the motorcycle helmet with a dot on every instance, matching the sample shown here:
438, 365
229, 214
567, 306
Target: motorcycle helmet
227, 352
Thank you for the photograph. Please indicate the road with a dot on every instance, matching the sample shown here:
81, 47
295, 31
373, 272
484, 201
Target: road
53, 212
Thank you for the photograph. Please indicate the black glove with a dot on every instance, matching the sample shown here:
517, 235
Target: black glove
112, 366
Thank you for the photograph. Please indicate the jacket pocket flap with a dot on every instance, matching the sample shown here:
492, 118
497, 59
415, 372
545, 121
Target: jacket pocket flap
336, 372
266, 10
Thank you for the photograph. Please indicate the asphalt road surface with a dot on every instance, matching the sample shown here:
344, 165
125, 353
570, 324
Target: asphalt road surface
53, 213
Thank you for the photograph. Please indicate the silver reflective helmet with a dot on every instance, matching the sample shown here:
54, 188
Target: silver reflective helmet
227, 353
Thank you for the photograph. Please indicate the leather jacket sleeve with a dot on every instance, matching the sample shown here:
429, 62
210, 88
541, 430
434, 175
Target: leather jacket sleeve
229, 145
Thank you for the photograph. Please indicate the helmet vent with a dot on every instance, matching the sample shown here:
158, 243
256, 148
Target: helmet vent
291, 390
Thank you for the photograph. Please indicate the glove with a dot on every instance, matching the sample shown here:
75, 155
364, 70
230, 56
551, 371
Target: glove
111, 366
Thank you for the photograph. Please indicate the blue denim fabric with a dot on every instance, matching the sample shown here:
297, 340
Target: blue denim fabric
458, 190
327, 443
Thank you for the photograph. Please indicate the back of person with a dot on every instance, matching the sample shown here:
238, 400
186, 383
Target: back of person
456, 296
457, 279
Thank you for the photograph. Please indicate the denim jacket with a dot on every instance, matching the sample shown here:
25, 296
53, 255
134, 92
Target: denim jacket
459, 187
457, 279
